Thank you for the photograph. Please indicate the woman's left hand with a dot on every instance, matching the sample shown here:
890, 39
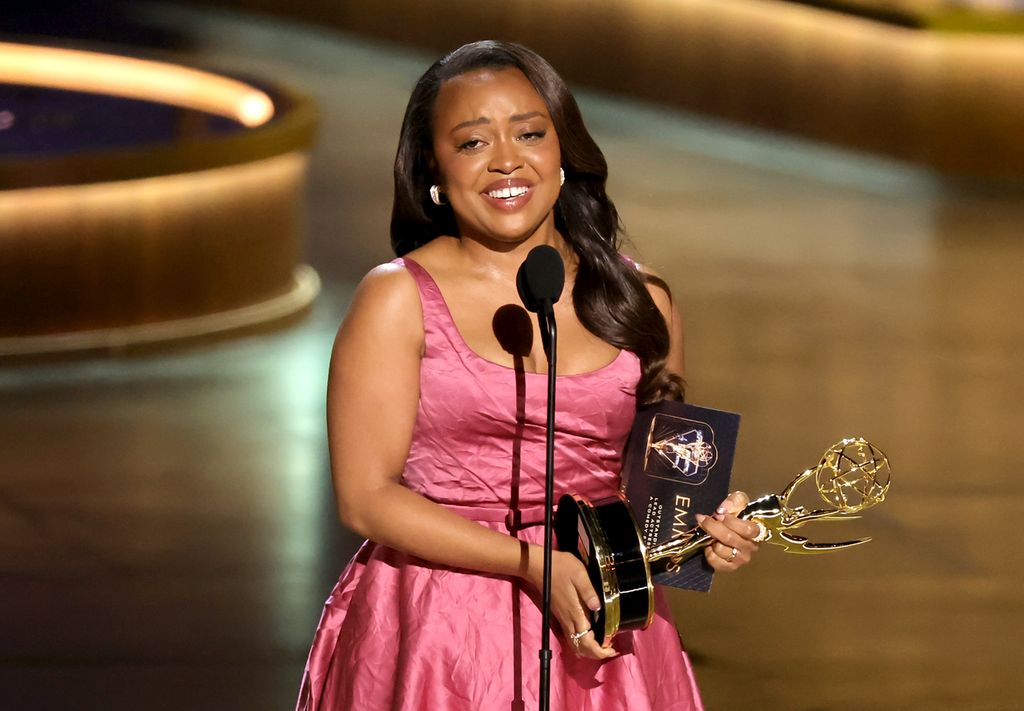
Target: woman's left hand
734, 538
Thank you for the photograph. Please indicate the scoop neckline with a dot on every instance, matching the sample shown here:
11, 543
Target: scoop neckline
465, 347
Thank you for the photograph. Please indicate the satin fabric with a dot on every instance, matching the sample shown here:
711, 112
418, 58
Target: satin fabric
400, 633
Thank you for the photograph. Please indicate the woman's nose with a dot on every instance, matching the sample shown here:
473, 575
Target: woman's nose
505, 159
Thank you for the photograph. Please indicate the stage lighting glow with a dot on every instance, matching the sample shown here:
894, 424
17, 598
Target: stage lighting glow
93, 72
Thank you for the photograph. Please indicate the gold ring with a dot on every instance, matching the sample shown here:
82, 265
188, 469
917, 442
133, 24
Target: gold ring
577, 636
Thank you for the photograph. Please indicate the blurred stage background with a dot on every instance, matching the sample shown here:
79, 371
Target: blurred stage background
833, 189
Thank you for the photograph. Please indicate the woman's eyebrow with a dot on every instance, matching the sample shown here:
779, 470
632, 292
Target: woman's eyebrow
515, 118
525, 117
473, 122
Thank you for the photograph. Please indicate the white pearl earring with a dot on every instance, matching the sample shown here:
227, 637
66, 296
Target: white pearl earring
561, 176
435, 195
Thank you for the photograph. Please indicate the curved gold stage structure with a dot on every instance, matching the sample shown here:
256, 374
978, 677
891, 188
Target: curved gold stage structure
143, 242
945, 100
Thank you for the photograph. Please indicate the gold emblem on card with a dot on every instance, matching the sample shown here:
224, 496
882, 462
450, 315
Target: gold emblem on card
680, 449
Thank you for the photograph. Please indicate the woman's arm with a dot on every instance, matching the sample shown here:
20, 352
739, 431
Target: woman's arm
372, 401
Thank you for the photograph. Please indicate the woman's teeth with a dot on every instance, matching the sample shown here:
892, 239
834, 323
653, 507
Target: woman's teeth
506, 193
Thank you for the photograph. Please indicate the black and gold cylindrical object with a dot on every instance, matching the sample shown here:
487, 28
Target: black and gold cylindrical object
605, 536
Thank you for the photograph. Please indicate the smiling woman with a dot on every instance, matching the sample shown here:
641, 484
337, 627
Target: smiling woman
492, 166
436, 411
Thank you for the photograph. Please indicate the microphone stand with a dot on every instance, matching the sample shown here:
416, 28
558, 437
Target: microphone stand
540, 281
546, 321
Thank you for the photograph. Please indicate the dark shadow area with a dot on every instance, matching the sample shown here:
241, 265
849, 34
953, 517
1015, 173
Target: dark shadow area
60, 22
514, 330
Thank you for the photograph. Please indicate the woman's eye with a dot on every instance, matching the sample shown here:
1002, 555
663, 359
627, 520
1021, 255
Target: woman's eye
533, 135
471, 144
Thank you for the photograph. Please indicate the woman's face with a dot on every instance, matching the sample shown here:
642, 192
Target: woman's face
496, 155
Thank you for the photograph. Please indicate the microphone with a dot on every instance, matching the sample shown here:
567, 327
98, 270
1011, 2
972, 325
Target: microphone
540, 281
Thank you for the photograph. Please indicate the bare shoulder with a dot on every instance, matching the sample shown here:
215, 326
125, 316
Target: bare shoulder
386, 304
657, 286
669, 308
437, 255
388, 283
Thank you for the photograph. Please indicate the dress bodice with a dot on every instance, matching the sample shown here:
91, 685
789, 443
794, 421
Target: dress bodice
478, 441
400, 632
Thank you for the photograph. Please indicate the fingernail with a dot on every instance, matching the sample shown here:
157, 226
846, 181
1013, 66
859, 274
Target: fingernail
720, 510
594, 604
700, 518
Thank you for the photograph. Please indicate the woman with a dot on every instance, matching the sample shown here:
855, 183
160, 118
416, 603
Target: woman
436, 414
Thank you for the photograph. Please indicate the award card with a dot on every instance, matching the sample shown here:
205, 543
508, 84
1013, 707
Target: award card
678, 463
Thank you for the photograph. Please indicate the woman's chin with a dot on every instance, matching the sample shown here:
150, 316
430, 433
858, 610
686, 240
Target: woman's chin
512, 230
510, 240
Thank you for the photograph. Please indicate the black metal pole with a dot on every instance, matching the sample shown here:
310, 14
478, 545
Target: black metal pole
549, 495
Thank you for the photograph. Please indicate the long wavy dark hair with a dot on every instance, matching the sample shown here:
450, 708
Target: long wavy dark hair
610, 295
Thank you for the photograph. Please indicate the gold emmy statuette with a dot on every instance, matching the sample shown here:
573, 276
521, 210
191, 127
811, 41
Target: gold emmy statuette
852, 476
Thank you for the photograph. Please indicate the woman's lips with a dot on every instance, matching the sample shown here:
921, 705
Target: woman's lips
508, 195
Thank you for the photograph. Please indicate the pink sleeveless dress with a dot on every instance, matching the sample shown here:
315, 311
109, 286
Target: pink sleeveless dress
402, 634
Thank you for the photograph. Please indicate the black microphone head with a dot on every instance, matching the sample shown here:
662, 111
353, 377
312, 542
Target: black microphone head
541, 278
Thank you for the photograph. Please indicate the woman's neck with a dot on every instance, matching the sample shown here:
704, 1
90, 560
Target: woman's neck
504, 258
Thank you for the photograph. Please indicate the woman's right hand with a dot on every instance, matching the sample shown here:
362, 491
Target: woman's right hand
571, 595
